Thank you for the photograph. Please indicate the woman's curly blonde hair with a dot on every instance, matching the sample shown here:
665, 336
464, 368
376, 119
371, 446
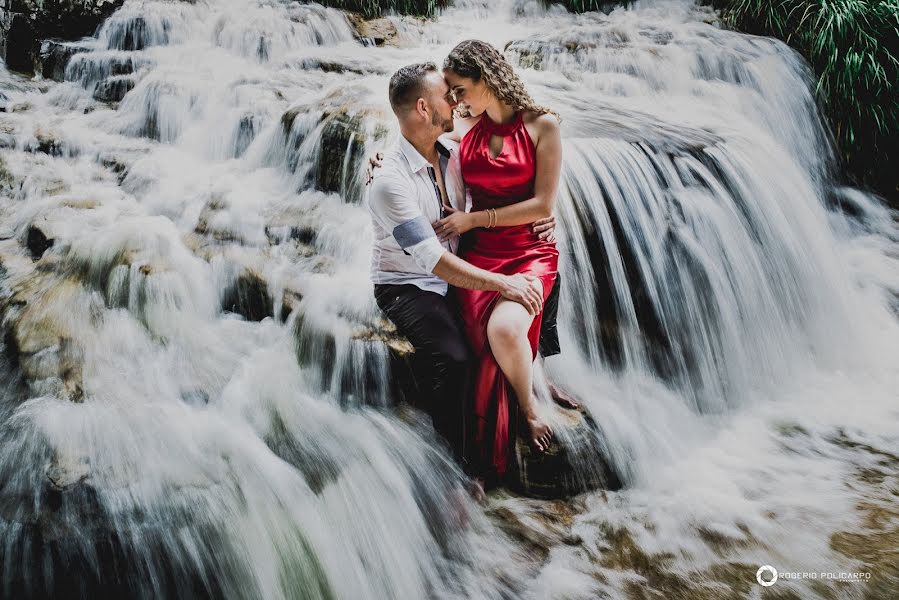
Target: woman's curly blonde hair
479, 60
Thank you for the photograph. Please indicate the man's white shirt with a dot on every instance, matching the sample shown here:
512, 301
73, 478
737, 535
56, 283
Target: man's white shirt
404, 201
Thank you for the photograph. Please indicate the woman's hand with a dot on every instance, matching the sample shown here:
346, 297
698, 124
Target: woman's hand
373, 163
545, 228
456, 223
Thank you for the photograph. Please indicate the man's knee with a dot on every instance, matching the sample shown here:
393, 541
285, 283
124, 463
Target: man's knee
453, 356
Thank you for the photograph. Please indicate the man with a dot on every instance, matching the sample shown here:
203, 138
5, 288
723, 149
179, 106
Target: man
418, 181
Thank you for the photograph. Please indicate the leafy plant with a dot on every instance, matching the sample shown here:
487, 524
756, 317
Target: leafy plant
376, 8
579, 6
853, 47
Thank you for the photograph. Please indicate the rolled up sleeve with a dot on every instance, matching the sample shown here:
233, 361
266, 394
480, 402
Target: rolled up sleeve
392, 201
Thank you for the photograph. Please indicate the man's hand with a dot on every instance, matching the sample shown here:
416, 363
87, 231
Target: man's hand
526, 290
545, 228
455, 223
373, 163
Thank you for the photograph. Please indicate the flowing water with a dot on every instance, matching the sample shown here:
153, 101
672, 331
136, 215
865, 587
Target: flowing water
197, 399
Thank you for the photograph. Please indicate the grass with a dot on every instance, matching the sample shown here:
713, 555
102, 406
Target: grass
853, 47
579, 6
371, 9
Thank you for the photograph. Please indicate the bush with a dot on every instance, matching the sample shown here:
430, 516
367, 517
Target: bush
376, 8
853, 47
579, 6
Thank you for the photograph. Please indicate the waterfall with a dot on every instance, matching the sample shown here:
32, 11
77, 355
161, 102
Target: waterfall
198, 396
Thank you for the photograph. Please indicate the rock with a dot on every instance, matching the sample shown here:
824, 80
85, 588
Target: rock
334, 355
38, 340
249, 296
246, 132
23, 23
47, 143
574, 463
344, 129
37, 240
377, 32
17, 41
343, 142
113, 89
55, 55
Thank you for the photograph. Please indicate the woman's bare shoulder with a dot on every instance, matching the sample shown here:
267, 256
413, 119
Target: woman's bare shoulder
540, 124
540, 121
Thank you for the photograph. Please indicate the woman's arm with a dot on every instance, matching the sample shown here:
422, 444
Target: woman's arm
546, 182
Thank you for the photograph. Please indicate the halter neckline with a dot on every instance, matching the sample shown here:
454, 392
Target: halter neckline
501, 129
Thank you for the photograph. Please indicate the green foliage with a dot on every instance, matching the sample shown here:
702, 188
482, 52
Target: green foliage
853, 47
376, 8
579, 6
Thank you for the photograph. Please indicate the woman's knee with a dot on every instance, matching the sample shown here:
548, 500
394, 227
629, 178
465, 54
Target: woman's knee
506, 328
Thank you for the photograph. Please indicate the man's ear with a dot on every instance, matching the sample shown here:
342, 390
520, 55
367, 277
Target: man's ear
421, 107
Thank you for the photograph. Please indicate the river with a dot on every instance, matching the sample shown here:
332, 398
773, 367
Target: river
197, 397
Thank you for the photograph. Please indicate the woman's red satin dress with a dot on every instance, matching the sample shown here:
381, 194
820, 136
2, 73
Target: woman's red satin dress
493, 183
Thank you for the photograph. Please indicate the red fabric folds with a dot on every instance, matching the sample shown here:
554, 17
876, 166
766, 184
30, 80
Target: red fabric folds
496, 182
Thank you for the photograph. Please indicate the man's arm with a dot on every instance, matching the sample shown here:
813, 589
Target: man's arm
392, 202
523, 289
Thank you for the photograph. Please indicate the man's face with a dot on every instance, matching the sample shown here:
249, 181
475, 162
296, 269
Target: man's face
440, 102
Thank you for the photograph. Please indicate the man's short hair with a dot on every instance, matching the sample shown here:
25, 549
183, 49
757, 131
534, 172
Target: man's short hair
407, 85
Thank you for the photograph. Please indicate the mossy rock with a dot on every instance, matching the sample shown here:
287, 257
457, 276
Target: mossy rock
573, 464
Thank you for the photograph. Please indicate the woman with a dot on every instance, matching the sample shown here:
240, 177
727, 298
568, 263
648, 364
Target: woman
511, 153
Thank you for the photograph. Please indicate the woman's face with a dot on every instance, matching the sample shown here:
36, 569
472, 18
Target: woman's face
471, 95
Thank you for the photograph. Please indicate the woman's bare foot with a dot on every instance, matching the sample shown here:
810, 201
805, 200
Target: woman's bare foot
475, 489
562, 398
541, 434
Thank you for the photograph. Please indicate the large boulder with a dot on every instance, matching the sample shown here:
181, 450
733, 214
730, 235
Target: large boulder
25, 23
55, 56
377, 32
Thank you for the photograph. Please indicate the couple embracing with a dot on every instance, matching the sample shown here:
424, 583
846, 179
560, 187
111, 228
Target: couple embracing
464, 261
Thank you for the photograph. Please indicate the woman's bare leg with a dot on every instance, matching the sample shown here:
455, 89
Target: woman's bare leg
507, 332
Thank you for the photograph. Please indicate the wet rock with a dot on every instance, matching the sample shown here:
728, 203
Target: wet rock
249, 296
247, 130
343, 142
356, 363
46, 142
38, 240
17, 41
574, 463
301, 233
113, 89
377, 32
344, 127
535, 54
55, 56
38, 341
24, 23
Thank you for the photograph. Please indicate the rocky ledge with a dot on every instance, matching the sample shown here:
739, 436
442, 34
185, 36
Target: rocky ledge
24, 24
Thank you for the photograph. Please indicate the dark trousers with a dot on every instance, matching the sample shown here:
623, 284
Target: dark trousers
442, 359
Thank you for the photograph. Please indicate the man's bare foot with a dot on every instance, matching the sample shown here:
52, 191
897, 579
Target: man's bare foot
541, 434
562, 398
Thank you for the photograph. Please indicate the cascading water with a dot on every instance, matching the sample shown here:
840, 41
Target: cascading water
197, 397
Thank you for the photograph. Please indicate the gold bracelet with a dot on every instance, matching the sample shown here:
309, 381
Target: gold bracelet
493, 222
